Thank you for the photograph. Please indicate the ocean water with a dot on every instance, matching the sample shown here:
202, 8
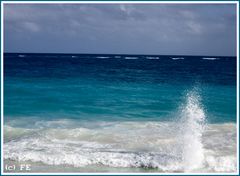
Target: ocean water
120, 113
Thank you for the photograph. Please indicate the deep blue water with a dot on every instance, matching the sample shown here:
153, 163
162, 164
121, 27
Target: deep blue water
116, 87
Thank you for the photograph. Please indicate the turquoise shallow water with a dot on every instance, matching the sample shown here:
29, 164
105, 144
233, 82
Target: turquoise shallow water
81, 99
124, 111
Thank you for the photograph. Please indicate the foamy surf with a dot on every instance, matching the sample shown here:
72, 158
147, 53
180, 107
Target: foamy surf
126, 144
184, 145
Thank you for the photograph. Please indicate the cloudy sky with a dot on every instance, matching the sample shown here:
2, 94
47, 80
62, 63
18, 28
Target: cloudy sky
184, 29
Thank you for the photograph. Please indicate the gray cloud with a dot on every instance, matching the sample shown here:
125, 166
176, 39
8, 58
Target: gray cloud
189, 29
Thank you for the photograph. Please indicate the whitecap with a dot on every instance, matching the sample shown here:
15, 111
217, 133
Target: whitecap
102, 57
148, 57
210, 58
21, 55
177, 58
131, 57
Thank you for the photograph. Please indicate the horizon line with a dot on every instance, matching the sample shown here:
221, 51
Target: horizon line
118, 54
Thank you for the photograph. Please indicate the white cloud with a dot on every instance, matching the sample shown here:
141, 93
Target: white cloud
194, 27
188, 14
30, 26
126, 8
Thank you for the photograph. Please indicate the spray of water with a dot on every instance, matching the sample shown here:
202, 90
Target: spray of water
193, 124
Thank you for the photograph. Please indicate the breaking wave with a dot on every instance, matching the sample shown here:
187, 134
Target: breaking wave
188, 144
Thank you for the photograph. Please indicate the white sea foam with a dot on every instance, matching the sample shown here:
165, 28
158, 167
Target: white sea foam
102, 57
210, 58
128, 57
127, 144
21, 55
148, 57
177, 58
185, 145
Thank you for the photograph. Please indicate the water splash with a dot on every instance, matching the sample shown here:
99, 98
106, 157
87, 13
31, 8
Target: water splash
193, 125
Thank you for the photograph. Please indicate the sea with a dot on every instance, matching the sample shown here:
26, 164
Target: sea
120, 113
